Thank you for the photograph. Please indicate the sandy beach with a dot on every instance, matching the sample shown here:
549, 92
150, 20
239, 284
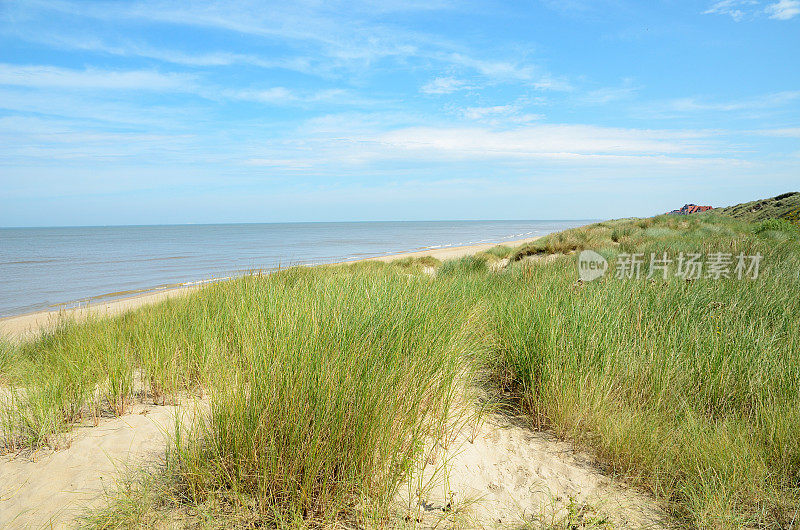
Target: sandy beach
24, 326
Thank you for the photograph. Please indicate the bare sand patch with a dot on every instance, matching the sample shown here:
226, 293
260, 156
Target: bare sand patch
496, 473
501, 474
444, 254
50, 488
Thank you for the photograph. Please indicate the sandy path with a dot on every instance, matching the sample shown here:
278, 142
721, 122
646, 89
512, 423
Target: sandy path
50, 488
502, 474
28, 325
499, 474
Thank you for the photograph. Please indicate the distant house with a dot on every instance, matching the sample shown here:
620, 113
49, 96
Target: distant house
690, 208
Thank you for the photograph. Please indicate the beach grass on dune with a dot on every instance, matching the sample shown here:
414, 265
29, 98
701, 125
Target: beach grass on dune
338, 381
690, 388
323, 383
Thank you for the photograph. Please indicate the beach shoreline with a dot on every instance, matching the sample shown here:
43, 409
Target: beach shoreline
27, 325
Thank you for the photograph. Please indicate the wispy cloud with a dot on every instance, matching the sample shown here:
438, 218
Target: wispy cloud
100, 108
767, 101
36, 76
736, 9
609, 94
553, 141
285, 96
479, 113
784, 9
94, 85
493, 69
787, 132
317, 93
500, 114
755, 107
163, 54
30, 138
445, 85
341, 151
321, 41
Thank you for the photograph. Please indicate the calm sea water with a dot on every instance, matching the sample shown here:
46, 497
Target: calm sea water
42, 268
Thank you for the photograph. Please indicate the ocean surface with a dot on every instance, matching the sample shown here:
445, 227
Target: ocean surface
50, 268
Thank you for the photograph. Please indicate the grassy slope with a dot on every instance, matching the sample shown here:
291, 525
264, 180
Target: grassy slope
692, 387
324, 381
784, 206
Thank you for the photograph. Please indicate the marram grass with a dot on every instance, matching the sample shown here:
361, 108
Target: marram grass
323, 383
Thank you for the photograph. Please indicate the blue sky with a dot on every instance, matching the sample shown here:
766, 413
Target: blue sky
148, 112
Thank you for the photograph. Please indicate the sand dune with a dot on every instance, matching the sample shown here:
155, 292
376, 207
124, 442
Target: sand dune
51, 488
499, 474
494, 473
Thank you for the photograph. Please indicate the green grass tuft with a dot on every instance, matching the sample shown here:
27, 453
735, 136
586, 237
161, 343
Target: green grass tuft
777, 225
465, 265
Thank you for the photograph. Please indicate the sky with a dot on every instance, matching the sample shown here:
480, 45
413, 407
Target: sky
155, 112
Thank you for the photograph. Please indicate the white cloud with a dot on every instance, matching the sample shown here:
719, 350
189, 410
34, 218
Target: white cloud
23, 139
91, 78
548, 82
92, 85
445, 85
274, 95
740, 9
479, 113
345, 38
289, 164
498, 71
609, 94
500, 115
319, 40
339, 151
784, 9
493, 69
736, 9
285, 96
694, 104
551, 141
97, 109
788, 132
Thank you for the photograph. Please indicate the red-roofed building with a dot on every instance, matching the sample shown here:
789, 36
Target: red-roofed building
691, 208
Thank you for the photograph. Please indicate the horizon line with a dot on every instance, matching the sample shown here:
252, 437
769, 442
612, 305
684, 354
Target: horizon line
16, 227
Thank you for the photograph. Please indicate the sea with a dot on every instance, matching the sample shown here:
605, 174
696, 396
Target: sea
53, 268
